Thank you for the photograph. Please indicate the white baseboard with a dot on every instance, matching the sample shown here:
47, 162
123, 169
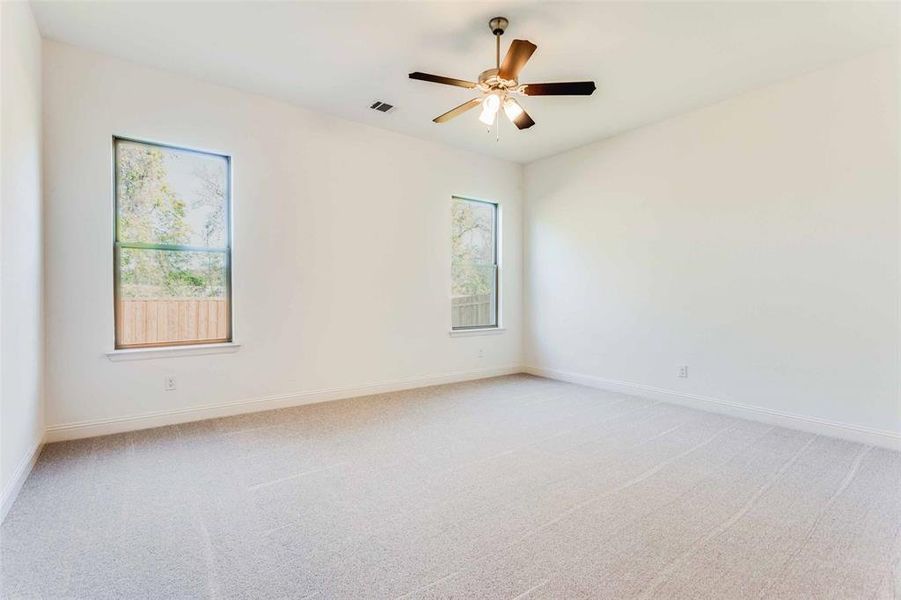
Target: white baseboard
14, 485
92, 428
866, 435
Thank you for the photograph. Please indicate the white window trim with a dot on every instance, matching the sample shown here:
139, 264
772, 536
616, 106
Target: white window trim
124, 354
476, 331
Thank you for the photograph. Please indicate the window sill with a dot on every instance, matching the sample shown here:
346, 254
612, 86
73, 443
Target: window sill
479, 331
172, 351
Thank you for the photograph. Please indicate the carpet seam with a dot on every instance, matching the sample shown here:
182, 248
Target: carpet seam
668, 570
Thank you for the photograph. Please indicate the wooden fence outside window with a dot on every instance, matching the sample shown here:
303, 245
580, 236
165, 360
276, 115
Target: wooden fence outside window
156, 321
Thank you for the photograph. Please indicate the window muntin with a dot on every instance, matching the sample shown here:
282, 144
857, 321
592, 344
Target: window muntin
172, 271
474, 266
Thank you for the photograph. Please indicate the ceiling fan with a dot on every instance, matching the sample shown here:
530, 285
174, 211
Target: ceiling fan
500, 85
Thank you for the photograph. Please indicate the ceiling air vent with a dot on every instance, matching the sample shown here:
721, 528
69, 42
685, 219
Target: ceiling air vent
381, 106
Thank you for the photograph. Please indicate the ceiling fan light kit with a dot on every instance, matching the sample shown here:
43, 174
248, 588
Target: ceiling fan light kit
500, 85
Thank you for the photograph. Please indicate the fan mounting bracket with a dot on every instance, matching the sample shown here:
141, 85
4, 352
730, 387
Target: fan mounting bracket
498, 25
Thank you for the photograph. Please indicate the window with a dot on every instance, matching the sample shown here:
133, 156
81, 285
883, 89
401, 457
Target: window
172, 254
474, 269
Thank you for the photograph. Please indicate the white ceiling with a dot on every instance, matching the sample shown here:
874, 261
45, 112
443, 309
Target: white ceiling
650, 60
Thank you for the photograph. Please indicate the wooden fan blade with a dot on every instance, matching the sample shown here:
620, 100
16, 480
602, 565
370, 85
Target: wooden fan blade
517, 56
568, 88
444, 80
456, 112
523, 121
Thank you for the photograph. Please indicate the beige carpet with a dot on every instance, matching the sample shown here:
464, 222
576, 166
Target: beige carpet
516, 487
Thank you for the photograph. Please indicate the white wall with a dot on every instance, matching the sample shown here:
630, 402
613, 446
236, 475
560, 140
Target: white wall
756, 241
341, 236
21, 322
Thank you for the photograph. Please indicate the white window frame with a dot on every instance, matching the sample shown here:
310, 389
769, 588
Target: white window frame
168, 349
497, 326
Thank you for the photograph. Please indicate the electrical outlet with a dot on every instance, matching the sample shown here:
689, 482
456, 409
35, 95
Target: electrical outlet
683, 371
170, 383
481, 353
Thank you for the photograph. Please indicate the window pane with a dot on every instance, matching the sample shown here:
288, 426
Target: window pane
477, 308
171, 297
473, 233
171, 196
474, 271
